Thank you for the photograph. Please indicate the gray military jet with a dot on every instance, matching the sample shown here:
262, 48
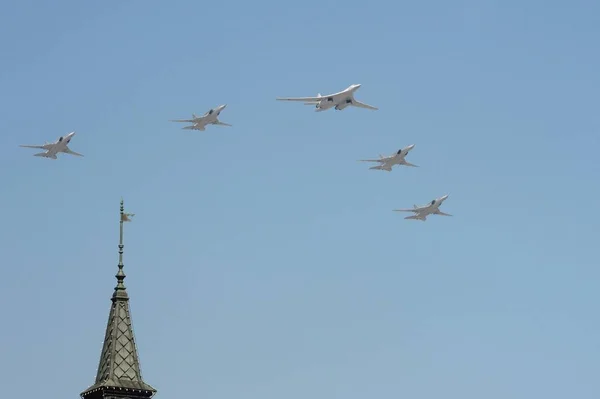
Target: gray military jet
209, 118
339, 100
386, 163
421, 212
52, 149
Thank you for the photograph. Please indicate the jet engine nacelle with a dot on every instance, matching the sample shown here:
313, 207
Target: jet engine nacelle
60, 138
324, 104
341, 106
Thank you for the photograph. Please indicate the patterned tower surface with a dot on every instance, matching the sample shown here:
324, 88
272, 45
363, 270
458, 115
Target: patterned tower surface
119, 374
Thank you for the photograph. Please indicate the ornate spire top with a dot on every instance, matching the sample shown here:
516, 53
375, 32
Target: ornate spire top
120, 291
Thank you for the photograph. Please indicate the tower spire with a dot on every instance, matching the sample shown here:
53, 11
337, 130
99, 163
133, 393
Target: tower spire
119, 373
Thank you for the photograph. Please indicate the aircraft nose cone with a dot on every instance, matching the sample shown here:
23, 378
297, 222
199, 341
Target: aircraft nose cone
410, 147
444, 197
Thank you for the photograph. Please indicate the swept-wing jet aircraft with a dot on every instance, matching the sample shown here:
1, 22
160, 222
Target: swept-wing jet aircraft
209, 118
60, 145
421, 212
386, 163
339, 100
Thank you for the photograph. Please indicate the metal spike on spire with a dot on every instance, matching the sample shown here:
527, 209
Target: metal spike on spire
121, 274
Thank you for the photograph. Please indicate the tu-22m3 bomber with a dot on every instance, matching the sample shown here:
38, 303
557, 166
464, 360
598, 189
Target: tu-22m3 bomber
60, 145
339, 100
386, 163
421, 212
209, 118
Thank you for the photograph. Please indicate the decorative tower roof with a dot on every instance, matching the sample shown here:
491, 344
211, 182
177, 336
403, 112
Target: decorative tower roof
119, 374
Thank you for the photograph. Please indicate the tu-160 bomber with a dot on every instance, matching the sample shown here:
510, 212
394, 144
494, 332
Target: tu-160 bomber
339, 100
209, 118
398, 158
60, 145
421, 212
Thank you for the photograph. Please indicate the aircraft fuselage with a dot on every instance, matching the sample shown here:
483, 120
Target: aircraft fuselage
398, 158
210, 117
59, 145
339, 101
432, 207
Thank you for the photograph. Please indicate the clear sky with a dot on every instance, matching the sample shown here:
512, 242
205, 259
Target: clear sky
264, 261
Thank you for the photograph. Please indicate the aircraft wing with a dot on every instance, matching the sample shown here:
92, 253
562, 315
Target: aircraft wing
417, 217
387, 168
442, 213
195, 127
67, 150
363, 105
406, 210
305, 99
409, 164
370, 160
43, 147
222, 123
182, 120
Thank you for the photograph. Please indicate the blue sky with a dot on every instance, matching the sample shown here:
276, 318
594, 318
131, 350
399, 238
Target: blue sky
263, 260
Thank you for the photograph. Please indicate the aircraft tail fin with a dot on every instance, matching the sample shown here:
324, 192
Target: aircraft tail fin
194, 116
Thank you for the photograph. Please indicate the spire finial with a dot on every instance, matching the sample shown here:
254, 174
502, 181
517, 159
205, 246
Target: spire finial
120, 274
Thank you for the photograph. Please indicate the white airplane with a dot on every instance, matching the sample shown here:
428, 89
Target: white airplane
209, 118
338, 100
60, 145
421, 212
386, 163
